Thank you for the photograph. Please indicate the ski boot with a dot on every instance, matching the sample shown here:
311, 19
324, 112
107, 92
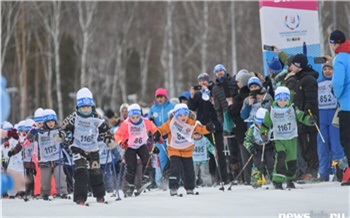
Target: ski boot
80, 202
64, 196
45, 197
190, 192
290, 184
173, 192
100, 200
346, 177
130, 190
278, 186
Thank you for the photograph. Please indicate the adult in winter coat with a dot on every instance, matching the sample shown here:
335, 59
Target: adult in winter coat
341, 88
306, 94
200, 103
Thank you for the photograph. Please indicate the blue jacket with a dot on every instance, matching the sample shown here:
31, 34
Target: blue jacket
159, 113
341, 76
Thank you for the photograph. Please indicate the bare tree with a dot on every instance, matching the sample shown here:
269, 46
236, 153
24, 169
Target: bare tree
169, 30
86, 27
10, 16
51, 20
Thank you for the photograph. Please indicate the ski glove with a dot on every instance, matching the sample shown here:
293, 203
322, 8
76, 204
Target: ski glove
124, 144
156, 136
12, 133
60, 137
210, 127
31, 134
6, 144
110, 142
11, 153
253, 150
264, 139
312, 121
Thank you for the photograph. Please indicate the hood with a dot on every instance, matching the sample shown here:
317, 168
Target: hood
344, 47
185, 95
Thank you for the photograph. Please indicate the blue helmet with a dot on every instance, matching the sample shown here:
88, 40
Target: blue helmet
219, 67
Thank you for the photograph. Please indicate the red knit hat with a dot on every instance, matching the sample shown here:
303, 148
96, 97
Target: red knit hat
161, 92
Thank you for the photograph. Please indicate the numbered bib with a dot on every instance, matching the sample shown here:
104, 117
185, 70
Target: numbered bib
200, 150
86, 133
27, 152
104, 153
257, 136
137, 134
326, 100
252, 113
48, 147
181, 134
284, 123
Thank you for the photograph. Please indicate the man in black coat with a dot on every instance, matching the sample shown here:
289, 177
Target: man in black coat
306, 99
200, 102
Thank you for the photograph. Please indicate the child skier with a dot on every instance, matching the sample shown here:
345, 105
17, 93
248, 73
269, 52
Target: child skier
132, 136
202, 147
50, 156
254, 145
283, 120
180, 128
86, 126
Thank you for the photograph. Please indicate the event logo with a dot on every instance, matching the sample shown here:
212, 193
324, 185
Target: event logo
292, 21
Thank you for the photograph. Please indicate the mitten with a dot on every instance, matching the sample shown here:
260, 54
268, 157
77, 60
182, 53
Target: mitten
264, 139
210, 126
60, 137
253, 150
6, 144
11, 153
110, 142
156, 136
12, 133
124, 145
312, 121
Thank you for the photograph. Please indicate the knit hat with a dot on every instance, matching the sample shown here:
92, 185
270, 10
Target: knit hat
275, 66
243, 76
161, 92
219, 67
124, 105
337, 36
20, 125
28, 124
259, 116
254, 80
109, 113
203, 76
38, 115
84, 97
7, 125
181, 109
282, 93
49, 115
300, 60
134, 109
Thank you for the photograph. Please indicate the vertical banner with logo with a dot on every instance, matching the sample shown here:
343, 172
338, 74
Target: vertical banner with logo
292, 26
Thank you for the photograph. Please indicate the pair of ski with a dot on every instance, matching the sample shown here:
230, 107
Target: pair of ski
181, 195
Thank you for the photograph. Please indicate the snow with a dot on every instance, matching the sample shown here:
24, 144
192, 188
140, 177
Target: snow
308, 200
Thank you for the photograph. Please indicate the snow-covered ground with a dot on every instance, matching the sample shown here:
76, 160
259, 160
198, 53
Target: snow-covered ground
309, 200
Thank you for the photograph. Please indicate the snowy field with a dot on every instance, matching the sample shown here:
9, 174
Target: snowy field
309, 200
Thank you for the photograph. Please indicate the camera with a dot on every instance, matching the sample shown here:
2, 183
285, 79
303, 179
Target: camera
269, 47
197, 87
320, 60
255, 92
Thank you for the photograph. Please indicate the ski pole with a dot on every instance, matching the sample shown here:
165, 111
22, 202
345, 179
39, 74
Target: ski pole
59, 169
115, 177
217, 164
245, 165
318, 129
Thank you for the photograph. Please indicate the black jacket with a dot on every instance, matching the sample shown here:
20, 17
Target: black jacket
220, 103
306, 95
235, 111
205, 110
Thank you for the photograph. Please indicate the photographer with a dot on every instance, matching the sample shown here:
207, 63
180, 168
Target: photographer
258, 97
201, 103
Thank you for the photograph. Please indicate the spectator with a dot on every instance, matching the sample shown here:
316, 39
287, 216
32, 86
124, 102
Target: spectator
306, 94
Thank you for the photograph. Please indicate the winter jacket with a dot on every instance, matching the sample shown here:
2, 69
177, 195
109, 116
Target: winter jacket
306, 95
235, 111
159, 113
205, 110
122, 134
341, 76
187, 152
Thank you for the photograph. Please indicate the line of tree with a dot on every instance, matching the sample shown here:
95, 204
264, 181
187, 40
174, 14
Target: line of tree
51, 49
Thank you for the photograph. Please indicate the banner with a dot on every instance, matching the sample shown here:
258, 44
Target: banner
292, 26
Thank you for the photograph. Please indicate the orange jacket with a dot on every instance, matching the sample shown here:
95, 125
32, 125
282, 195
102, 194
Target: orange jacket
122, 134
187, 152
